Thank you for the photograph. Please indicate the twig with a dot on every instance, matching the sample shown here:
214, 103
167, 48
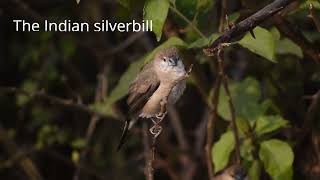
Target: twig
124, 44
25, 7
231, 106
247, 24
188, 164
306, 128
175, 10
178, 129
223, 13
55, 100
25, 163
148, 153
293, 33
99, 96
314, 17
200, 133
212, 118
163, 163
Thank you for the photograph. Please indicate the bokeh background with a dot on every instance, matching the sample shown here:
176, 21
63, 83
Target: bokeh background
62, 94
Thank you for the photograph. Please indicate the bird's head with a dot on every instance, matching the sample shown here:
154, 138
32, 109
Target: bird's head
168, 61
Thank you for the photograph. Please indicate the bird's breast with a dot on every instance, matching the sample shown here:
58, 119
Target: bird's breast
152, 107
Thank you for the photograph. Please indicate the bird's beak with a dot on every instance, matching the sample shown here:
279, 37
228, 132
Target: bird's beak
173, 61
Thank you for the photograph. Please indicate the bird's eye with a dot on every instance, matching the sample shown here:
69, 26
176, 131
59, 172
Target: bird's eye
164, 59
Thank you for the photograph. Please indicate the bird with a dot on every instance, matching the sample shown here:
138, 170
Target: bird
160, 80
234, 172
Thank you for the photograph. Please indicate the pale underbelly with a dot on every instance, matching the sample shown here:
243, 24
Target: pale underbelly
152, 107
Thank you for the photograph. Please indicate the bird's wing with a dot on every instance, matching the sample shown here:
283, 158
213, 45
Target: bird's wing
141, 89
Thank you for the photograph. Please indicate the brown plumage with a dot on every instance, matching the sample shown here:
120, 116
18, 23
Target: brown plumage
156, 81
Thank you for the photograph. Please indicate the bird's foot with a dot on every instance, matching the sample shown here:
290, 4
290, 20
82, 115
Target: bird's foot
155, 130
160, 116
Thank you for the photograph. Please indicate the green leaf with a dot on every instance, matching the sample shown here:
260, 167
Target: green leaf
276, 34
122, 87
188, 8
305, 5
267, 124
202, 42
233, 17
221, 150
204, 5
68, 46
29, 86
245, 96
75, 156
157, 11
125, 3
263, 45
277, 158
255, 170
78, 143
286, 46
246, 150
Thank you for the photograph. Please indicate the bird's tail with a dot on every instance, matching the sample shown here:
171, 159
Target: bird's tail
124, 134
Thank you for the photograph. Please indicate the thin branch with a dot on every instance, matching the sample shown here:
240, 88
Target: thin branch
124, 44
188, 164
54, 100
314, 17
223, 13
212, 119
175, 10
25, 163
99, 96
231, 106
293, 33
148, 171
164, 164
247, 24
200, 133
29, 11
178, 129
312, 110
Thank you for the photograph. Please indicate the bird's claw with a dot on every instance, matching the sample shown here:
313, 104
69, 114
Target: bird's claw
161, 116
189, 70
155, 131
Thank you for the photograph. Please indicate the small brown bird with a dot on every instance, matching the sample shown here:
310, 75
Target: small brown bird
234, 172
158, 79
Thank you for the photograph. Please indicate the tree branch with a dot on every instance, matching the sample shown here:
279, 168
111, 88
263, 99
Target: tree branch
231, 106
314, 17
25, 163
247, 24
293, 33
212, 118
55, 100
310, 115
99, 97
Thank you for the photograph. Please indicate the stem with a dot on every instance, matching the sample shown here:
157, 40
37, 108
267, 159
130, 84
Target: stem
175, 10
248, 24
314, 17
210, 126
231, 106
